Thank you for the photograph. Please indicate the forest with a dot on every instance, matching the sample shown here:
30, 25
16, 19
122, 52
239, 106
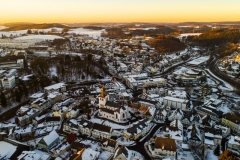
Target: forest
166, 43
215, 38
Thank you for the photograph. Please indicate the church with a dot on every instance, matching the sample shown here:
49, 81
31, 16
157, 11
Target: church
111, 110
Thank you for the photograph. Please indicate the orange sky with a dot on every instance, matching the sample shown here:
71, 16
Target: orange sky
77, 11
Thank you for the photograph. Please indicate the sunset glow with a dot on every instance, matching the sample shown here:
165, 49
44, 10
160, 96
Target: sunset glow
69, 11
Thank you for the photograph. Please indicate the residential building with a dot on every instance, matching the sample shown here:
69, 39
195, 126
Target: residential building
165, 147
232, 121
48, 141
100, 131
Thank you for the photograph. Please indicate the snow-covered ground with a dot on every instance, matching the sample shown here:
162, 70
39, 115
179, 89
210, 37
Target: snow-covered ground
210, 155
185, 155
115, 126
96, 120
14, 33
43, 37
227, 85
124, 141
91, 33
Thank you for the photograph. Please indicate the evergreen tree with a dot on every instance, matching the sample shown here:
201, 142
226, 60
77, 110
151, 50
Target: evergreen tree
3, 100
217, 151
17, 95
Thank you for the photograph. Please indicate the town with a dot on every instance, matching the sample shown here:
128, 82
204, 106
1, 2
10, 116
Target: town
119, 91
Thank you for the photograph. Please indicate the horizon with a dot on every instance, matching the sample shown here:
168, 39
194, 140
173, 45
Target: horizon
125, 11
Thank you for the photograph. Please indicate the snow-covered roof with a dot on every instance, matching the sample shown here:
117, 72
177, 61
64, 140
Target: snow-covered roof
51, 137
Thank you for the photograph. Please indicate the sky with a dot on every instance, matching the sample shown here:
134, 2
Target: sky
84, 11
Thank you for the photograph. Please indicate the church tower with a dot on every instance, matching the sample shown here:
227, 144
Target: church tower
102, 98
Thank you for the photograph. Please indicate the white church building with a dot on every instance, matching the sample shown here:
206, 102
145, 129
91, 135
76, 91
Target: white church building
112, 110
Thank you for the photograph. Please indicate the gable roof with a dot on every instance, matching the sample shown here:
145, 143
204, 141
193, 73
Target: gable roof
48, 139
165, 144
101, 127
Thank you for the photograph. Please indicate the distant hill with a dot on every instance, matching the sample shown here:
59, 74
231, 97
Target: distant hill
23, 26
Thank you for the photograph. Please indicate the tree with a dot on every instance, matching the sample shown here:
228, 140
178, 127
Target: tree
217, 151
29, 31
65, 30
3, 100
71, 138
18, 95
227, 155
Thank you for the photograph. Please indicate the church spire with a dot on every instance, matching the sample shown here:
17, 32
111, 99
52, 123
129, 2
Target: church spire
103, 92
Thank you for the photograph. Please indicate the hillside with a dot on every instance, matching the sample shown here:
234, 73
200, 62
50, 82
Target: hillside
17, 26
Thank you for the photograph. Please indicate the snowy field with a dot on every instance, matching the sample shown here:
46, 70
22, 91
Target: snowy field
2, 27
14, 33
6, 148
43, 37
91, 33
189, 34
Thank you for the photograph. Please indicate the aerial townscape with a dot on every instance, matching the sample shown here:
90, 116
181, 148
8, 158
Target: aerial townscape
120, 91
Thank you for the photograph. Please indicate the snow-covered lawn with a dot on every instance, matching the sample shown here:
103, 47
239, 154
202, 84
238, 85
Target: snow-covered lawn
124, 141
43, 37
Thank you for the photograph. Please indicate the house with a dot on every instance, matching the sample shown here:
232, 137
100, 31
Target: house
8, 82
60, 149
35, 96
71, 126
61, 112
41, 104
77, 147
122, 153
85, 127
172, 132
112, 110
187, 118
225, 130
100, 131
234, 143
53, 121
179, 103
176, 114
109, 145
194, 135
89, 154
25, 155
73, 113
212, 136
48, 141
232, 121
165, 147
58, 87
137, 129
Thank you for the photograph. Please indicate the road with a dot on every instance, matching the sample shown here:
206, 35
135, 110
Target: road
211, 68
139, 147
